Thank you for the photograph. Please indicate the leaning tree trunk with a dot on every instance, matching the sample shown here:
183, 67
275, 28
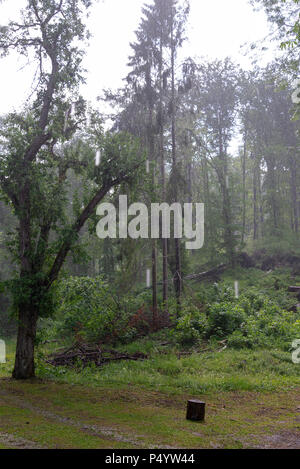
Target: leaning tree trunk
24, 361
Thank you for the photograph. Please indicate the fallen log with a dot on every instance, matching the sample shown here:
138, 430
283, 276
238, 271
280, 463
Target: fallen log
200, 276
209, 273
86, 354
294, 289
295, 308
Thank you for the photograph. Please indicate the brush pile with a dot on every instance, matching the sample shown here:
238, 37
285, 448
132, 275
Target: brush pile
83, 354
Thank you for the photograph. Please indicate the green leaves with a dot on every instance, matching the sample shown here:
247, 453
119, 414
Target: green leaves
46, 147
87, 308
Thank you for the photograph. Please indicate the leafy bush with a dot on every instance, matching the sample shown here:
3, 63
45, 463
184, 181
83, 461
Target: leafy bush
268, 327
224, 318
253, 320
238, 340
88, 310
191, 325
215, 293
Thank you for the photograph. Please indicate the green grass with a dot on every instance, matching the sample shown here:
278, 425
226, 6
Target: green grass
229, 370
206, 372
150, 419
251, 394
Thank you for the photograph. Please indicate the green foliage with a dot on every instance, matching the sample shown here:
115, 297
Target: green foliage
47, 149
285, 14
258, 318
87, 309
31, 290
229, 370
191, 326
253, 321
48, 331
225, 318
271, 327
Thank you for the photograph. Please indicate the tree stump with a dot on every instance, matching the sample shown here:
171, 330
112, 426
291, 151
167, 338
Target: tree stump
295, 308
195, 411
294, 289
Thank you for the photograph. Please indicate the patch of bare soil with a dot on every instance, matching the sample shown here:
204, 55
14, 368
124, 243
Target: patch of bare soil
14, 442
283, 440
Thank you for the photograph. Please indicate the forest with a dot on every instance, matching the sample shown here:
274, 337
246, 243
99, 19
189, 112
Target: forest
108, 327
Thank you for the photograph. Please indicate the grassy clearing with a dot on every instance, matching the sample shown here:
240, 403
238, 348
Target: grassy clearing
252, 395
206, 372
142, 404
200, 372
146, 419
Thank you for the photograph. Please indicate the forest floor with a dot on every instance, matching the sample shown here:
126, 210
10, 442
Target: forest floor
251, 403
42, 414
252, 397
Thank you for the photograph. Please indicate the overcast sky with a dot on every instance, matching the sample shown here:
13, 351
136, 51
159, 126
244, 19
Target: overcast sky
217, 28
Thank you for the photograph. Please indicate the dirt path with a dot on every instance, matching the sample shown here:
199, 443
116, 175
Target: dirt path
103, 432
10, 441
285, 440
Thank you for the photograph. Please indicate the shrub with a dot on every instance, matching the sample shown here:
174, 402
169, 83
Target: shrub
237, 340
191, 326
224, 318
89, 311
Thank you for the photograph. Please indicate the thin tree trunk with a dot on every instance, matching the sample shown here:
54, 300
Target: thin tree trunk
293, 171
154, 285
227, 216
178, 275
272, 187
152, 159
244, 187
226, 203
261, 203
255, 203
207, 201
163, 177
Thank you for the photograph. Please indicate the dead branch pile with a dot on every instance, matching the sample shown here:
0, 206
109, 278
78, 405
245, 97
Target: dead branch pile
86, 354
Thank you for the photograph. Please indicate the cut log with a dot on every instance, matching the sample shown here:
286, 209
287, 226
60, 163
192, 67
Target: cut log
87, 354
210, 273
294, 289
195, 411
295, 308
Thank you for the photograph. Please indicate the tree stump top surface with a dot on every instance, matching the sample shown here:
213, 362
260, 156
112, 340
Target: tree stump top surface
195, 401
